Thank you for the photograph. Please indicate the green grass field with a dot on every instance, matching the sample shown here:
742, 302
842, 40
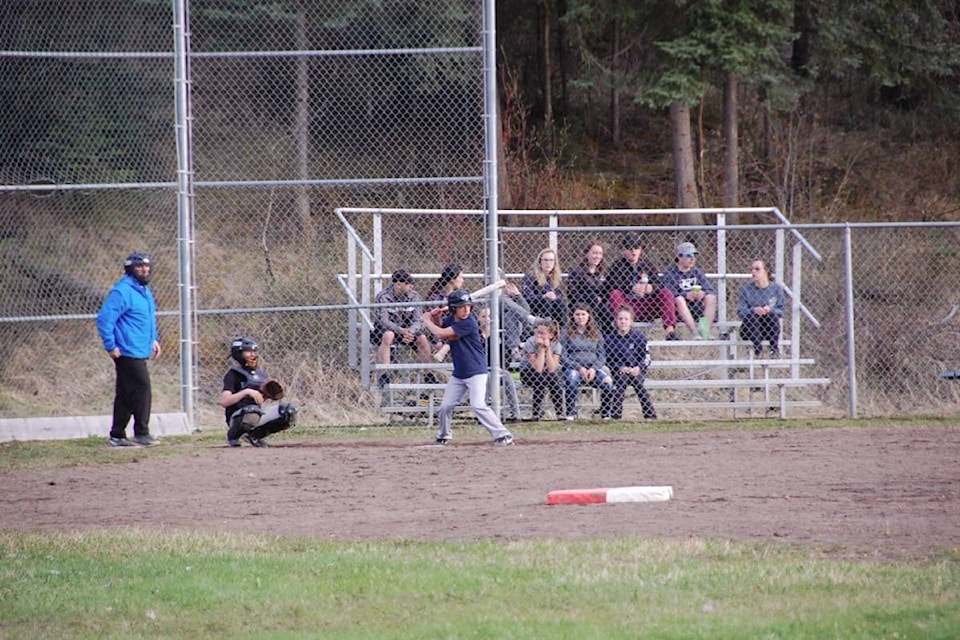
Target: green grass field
155, 584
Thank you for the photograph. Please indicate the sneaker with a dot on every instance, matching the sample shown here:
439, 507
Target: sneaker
703, 327
504, 441
570, 418
121, 442
672, 336
256, 442
383, 380
774, 352
652, 416
424, 400
233, 443
607, 418
146, 440
443, 441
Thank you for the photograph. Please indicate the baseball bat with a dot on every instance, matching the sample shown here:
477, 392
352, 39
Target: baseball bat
487, 290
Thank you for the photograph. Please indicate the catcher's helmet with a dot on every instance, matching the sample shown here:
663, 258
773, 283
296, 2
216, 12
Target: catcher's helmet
238, 346
137, 259
459, 298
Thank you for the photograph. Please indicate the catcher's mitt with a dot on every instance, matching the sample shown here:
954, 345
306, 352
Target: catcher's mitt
272, 390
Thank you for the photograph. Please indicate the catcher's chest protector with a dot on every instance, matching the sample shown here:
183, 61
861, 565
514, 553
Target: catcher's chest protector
252, 379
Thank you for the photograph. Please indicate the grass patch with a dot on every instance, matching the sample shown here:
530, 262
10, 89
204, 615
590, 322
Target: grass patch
132, 584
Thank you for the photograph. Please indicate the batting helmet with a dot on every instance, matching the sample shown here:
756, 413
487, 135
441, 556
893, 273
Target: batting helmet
459, 298
137, 259
238, 346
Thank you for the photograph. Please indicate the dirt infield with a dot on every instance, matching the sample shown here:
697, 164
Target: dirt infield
849, 492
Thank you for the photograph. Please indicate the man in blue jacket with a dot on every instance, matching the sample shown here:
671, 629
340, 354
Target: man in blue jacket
127, 324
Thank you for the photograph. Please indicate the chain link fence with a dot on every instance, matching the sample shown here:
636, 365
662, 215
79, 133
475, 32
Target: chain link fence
300, 108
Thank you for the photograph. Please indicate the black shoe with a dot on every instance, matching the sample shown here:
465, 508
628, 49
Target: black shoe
672, 336
443, 441
233, 443
146, 440
256, 442
652, 416
505, 441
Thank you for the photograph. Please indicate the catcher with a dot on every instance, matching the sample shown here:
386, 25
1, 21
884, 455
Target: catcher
246, 388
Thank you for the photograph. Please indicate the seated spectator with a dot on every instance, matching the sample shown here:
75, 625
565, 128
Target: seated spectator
587, 284
450, 280
695, 297
542, 288
400, 322
628, 358
541, 370
515, 322
635, 282
493, 382
584, 361
760, 305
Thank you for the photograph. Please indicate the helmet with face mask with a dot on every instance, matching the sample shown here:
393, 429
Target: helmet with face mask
137, 259
238, 346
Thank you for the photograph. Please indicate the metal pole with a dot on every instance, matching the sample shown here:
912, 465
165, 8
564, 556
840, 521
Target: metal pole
851, 342
491, 186
185, 217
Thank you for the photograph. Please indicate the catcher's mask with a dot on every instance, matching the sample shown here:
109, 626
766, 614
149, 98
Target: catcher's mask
459, 298
238, 346
137, 259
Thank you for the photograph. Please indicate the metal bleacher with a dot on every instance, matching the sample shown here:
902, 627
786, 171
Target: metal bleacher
685, 377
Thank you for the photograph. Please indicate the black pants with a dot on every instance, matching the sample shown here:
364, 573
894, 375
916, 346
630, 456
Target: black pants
540, 382
756, 329
132, 397
620, 383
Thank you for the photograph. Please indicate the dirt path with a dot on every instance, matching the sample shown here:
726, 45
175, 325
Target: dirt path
858, 492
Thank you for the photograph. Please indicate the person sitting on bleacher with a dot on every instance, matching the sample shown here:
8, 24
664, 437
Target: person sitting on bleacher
760, 306
635, 282
695, 297
542, 371
584, 361
403, 323
543, 290
628, 358
587, 284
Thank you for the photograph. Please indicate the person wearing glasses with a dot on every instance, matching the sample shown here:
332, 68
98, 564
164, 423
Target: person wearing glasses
760, 306
695, 297
542, 288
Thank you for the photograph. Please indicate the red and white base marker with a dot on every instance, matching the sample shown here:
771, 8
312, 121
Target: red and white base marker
613, 494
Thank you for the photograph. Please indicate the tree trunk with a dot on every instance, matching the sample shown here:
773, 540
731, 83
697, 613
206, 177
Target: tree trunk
684, 167
731, 136
302, 124
547, 68
614, 87
804, 28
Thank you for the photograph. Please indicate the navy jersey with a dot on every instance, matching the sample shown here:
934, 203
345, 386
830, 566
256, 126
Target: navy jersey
467, 352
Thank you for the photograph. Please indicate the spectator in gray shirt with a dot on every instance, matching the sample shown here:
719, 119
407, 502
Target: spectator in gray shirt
399, 323
760, 307
584, 361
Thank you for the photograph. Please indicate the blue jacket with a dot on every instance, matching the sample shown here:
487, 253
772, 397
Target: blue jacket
128, 319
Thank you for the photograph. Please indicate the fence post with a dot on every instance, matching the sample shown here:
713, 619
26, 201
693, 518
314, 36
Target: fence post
851, 342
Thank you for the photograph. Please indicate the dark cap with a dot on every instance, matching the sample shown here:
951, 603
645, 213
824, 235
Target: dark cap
450, 272
631, 241
402, 275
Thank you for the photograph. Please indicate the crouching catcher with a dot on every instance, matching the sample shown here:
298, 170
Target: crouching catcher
249, 398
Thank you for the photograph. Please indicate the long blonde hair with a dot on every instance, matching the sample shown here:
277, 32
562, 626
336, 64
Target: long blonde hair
541, 276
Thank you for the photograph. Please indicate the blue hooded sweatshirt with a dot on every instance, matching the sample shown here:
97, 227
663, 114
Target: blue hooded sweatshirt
128, 319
